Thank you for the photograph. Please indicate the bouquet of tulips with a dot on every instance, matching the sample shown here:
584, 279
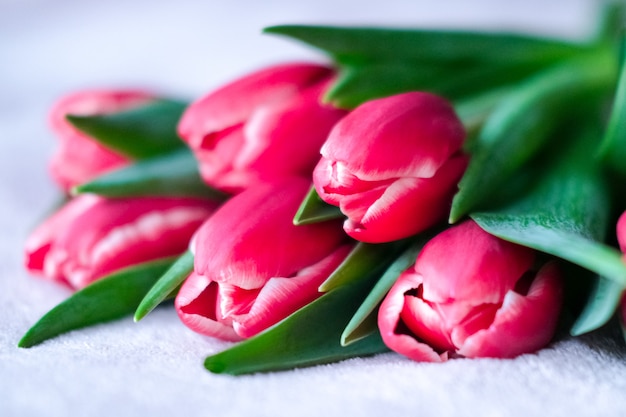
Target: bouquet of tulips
438, 193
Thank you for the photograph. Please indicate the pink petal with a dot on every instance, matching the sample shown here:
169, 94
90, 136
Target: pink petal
251, 238
407, 206
621, 232
523, 324
280, 296
391, 325
406, 135
464, 263
197, 307
232, 104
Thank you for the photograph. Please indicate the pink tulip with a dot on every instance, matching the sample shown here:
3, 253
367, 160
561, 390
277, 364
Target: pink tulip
262, 127
392, 166
474, 295
90, 236
80, 158
253, 267
621, 239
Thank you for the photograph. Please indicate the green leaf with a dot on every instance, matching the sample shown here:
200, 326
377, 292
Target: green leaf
140, 132
524, 122
600, 308
308, 337
613, 147
566, 214
171, 174
363, 260
350, 45
109, 298
314, 210
364, 322
166, 285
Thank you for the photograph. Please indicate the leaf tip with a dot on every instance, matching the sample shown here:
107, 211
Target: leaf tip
214, 365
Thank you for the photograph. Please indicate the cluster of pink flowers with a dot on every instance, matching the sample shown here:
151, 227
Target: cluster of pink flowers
391, 165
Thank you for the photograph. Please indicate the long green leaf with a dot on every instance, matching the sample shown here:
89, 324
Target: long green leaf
364, 321
600, 308
565, 214
363, 260
359, 44
613, 148
166, 285
109, 298
525, 122
171, 174
140, 132
308, 337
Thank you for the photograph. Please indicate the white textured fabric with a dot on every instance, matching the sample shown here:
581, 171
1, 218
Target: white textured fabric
48, 48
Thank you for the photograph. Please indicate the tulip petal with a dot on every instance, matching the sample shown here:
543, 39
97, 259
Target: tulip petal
280, 297
406, 207
484, 269
391, 324
423, 126
197, 307
524, 323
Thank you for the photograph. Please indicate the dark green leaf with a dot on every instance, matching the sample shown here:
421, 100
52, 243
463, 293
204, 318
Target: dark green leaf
613, 148
172, 174
365, 259
109, 298
308, 337
524, 122
350, 45
166, 285
364, 322
566, 214
314, 210
140, 132
600, 308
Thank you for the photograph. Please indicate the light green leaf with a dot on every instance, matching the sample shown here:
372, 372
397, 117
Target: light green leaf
364, 322
108, 298
140, 132
166, 286
600, 308
363, 260
314, 210
171, 174
524, 122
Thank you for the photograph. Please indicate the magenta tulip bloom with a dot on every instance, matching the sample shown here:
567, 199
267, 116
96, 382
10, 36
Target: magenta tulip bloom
474, 295
91, 236
79, 158
262, 127
392, 166
253, 267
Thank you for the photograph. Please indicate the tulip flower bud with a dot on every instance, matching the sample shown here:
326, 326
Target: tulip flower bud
79, 157
91, 237
253, 267
471, 294
392, 166
262, 127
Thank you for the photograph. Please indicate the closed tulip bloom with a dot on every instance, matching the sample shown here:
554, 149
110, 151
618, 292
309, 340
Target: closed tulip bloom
253, 267
392, 166
91, 236
471, 294
79, 157
262, 127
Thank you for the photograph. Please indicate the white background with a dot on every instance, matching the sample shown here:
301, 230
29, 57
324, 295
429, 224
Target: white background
185, 48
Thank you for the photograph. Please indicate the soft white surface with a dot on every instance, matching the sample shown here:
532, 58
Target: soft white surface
155, 368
